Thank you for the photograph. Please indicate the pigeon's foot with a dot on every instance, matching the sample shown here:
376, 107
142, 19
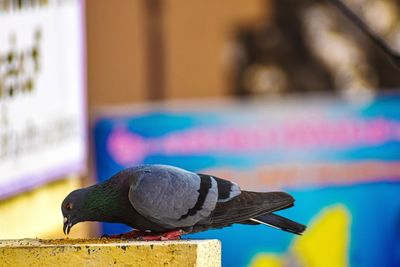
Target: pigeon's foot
148, 236
129, 235
172, 235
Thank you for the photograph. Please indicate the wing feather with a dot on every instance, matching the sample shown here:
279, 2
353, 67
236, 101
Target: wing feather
249, 205
173, 197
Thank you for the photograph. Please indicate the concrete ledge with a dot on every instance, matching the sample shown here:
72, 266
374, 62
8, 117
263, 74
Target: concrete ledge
109, 252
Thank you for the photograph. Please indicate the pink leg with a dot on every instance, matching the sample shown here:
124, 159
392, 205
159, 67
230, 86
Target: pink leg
129, 235
172, 235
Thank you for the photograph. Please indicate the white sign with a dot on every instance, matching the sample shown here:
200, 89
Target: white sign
42, 119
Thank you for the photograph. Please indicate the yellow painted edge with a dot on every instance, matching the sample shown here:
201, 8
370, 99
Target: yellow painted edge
103, 252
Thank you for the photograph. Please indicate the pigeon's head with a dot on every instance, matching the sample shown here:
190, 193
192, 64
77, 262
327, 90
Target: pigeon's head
72, 209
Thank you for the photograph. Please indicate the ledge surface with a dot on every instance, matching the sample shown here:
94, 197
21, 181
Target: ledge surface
109, 252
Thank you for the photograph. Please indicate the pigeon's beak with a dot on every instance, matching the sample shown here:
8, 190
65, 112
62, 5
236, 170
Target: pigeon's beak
67, 226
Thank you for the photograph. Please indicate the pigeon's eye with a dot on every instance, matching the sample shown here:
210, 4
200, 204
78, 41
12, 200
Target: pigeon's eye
69, 206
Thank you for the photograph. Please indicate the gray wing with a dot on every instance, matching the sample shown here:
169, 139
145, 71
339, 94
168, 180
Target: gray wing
174, 198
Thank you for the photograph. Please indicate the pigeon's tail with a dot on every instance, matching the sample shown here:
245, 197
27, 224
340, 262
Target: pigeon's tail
256, 208
280, 222
249, 205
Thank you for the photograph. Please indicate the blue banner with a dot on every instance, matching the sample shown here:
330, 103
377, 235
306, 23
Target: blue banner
340, 160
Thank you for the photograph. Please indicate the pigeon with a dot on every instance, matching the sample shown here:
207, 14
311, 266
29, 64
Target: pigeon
162, 202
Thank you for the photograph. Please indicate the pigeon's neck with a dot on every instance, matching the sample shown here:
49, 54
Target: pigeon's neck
104, 202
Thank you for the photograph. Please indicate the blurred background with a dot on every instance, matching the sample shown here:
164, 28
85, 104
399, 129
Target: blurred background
275, 95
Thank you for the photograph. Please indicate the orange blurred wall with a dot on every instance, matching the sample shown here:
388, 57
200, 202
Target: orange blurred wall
190, 56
